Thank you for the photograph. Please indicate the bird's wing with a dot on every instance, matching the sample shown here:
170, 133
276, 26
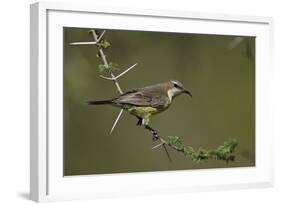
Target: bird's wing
139, 98
160, 101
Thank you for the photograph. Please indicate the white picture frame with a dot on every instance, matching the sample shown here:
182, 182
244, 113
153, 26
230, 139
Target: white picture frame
47, 182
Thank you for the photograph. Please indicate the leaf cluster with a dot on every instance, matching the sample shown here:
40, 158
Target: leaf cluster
223, 152
104, 44
110, 68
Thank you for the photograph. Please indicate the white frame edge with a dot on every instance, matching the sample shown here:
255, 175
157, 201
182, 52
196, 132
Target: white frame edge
39, 75
38, 102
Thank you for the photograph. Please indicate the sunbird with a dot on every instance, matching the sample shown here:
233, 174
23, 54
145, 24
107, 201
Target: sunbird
147, 101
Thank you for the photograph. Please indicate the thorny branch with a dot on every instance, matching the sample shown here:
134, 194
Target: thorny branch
223, 152
97, 40
103, 57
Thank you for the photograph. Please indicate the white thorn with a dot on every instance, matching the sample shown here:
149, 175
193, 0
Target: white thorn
107, 78
90, 42
127, 70
156, 146
83, 43
116, 121
99, 38
121, 74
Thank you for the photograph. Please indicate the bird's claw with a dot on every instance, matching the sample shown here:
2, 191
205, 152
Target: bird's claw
155, 136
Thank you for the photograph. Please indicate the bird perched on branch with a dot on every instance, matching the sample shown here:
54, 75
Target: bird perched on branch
147, 101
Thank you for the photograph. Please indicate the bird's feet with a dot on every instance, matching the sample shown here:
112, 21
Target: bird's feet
155, 134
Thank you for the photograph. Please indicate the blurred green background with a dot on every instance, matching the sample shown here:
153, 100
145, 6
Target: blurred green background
218, 70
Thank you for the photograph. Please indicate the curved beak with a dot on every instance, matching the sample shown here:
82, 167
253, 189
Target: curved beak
188, 93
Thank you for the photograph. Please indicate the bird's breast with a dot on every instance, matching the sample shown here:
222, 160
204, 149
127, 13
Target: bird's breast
143, 112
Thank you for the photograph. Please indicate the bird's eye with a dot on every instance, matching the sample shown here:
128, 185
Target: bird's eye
176, 85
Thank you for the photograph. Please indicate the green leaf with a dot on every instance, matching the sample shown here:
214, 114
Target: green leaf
113, 66
104, 44
223, 152
102, 68
176, 142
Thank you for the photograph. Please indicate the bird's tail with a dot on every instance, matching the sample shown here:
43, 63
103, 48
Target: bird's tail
100, 102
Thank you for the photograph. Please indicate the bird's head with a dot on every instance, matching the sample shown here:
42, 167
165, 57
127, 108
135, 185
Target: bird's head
176, 88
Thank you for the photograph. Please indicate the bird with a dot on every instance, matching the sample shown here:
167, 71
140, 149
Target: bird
147, 101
